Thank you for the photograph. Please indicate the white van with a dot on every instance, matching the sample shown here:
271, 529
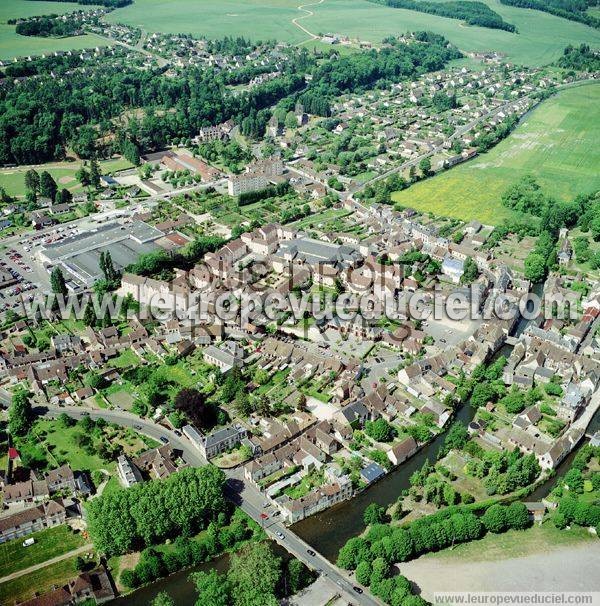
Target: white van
28, 542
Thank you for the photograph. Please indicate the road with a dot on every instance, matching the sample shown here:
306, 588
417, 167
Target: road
63, 556
308, 13
244, 495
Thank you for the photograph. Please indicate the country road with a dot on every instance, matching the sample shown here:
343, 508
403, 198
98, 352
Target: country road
308, 13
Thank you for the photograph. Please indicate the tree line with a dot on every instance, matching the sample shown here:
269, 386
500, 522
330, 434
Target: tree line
385, 545
472, 12
574, 10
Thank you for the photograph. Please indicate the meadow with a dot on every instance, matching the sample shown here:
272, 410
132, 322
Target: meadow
13, 179
540, 40
13, 45
557, 143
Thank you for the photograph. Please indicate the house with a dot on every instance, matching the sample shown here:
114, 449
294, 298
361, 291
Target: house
28, 521
402, 451
453, 268
158, 463
355, 414
371, 473
128, 472
225, 357
219, 441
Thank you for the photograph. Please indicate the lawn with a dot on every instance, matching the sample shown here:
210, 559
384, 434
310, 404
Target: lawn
13, 45
40, 581
60, 444
12, 179
557, 143
540, 40
48, 544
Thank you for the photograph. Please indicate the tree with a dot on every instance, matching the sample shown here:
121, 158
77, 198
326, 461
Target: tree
213, 589
94, 174
83, 176
535, 267
494, 519
192, 403
253, 574
456, 438
89, 315
32, 182
425, 166
374, 514
574, 480
48, 187
80, 564
57, 282
297, 576
517, 516
380, 430
20, 415
470, 271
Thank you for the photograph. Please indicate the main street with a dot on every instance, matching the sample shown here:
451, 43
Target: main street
242, 494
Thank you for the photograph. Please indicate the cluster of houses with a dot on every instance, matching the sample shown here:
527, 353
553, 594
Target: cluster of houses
403, 122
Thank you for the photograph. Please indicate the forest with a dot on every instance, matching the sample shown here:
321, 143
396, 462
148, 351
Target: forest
574, 10
48, 26
580, 58
472, 12
42, 117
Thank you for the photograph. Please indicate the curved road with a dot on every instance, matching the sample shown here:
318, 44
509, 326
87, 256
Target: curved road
245, 496
305, 16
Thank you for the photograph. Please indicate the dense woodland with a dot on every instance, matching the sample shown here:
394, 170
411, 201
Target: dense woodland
580, 58
42, 117
574, 10
148, 513
472, 12
48, 26
107, 3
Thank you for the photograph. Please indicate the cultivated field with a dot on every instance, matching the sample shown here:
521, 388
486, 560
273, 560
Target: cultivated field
540, 40
13, 45
557, 143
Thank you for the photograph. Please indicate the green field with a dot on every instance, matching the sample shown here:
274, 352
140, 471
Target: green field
557, 143
39, 581
13, 179
540, 40
13, 45
48, 544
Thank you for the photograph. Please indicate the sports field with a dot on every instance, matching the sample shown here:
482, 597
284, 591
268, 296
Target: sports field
13, 179
13, 45
557, 143
541, 38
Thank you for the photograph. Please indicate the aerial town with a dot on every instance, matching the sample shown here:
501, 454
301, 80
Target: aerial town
239, 320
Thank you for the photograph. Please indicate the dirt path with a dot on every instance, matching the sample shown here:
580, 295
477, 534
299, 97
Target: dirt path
572, 568
75, 552
309, 13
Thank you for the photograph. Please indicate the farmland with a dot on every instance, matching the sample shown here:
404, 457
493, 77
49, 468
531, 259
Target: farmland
540, 40
13, 45
557, 143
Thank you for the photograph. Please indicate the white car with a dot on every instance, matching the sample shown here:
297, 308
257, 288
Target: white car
281, 535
